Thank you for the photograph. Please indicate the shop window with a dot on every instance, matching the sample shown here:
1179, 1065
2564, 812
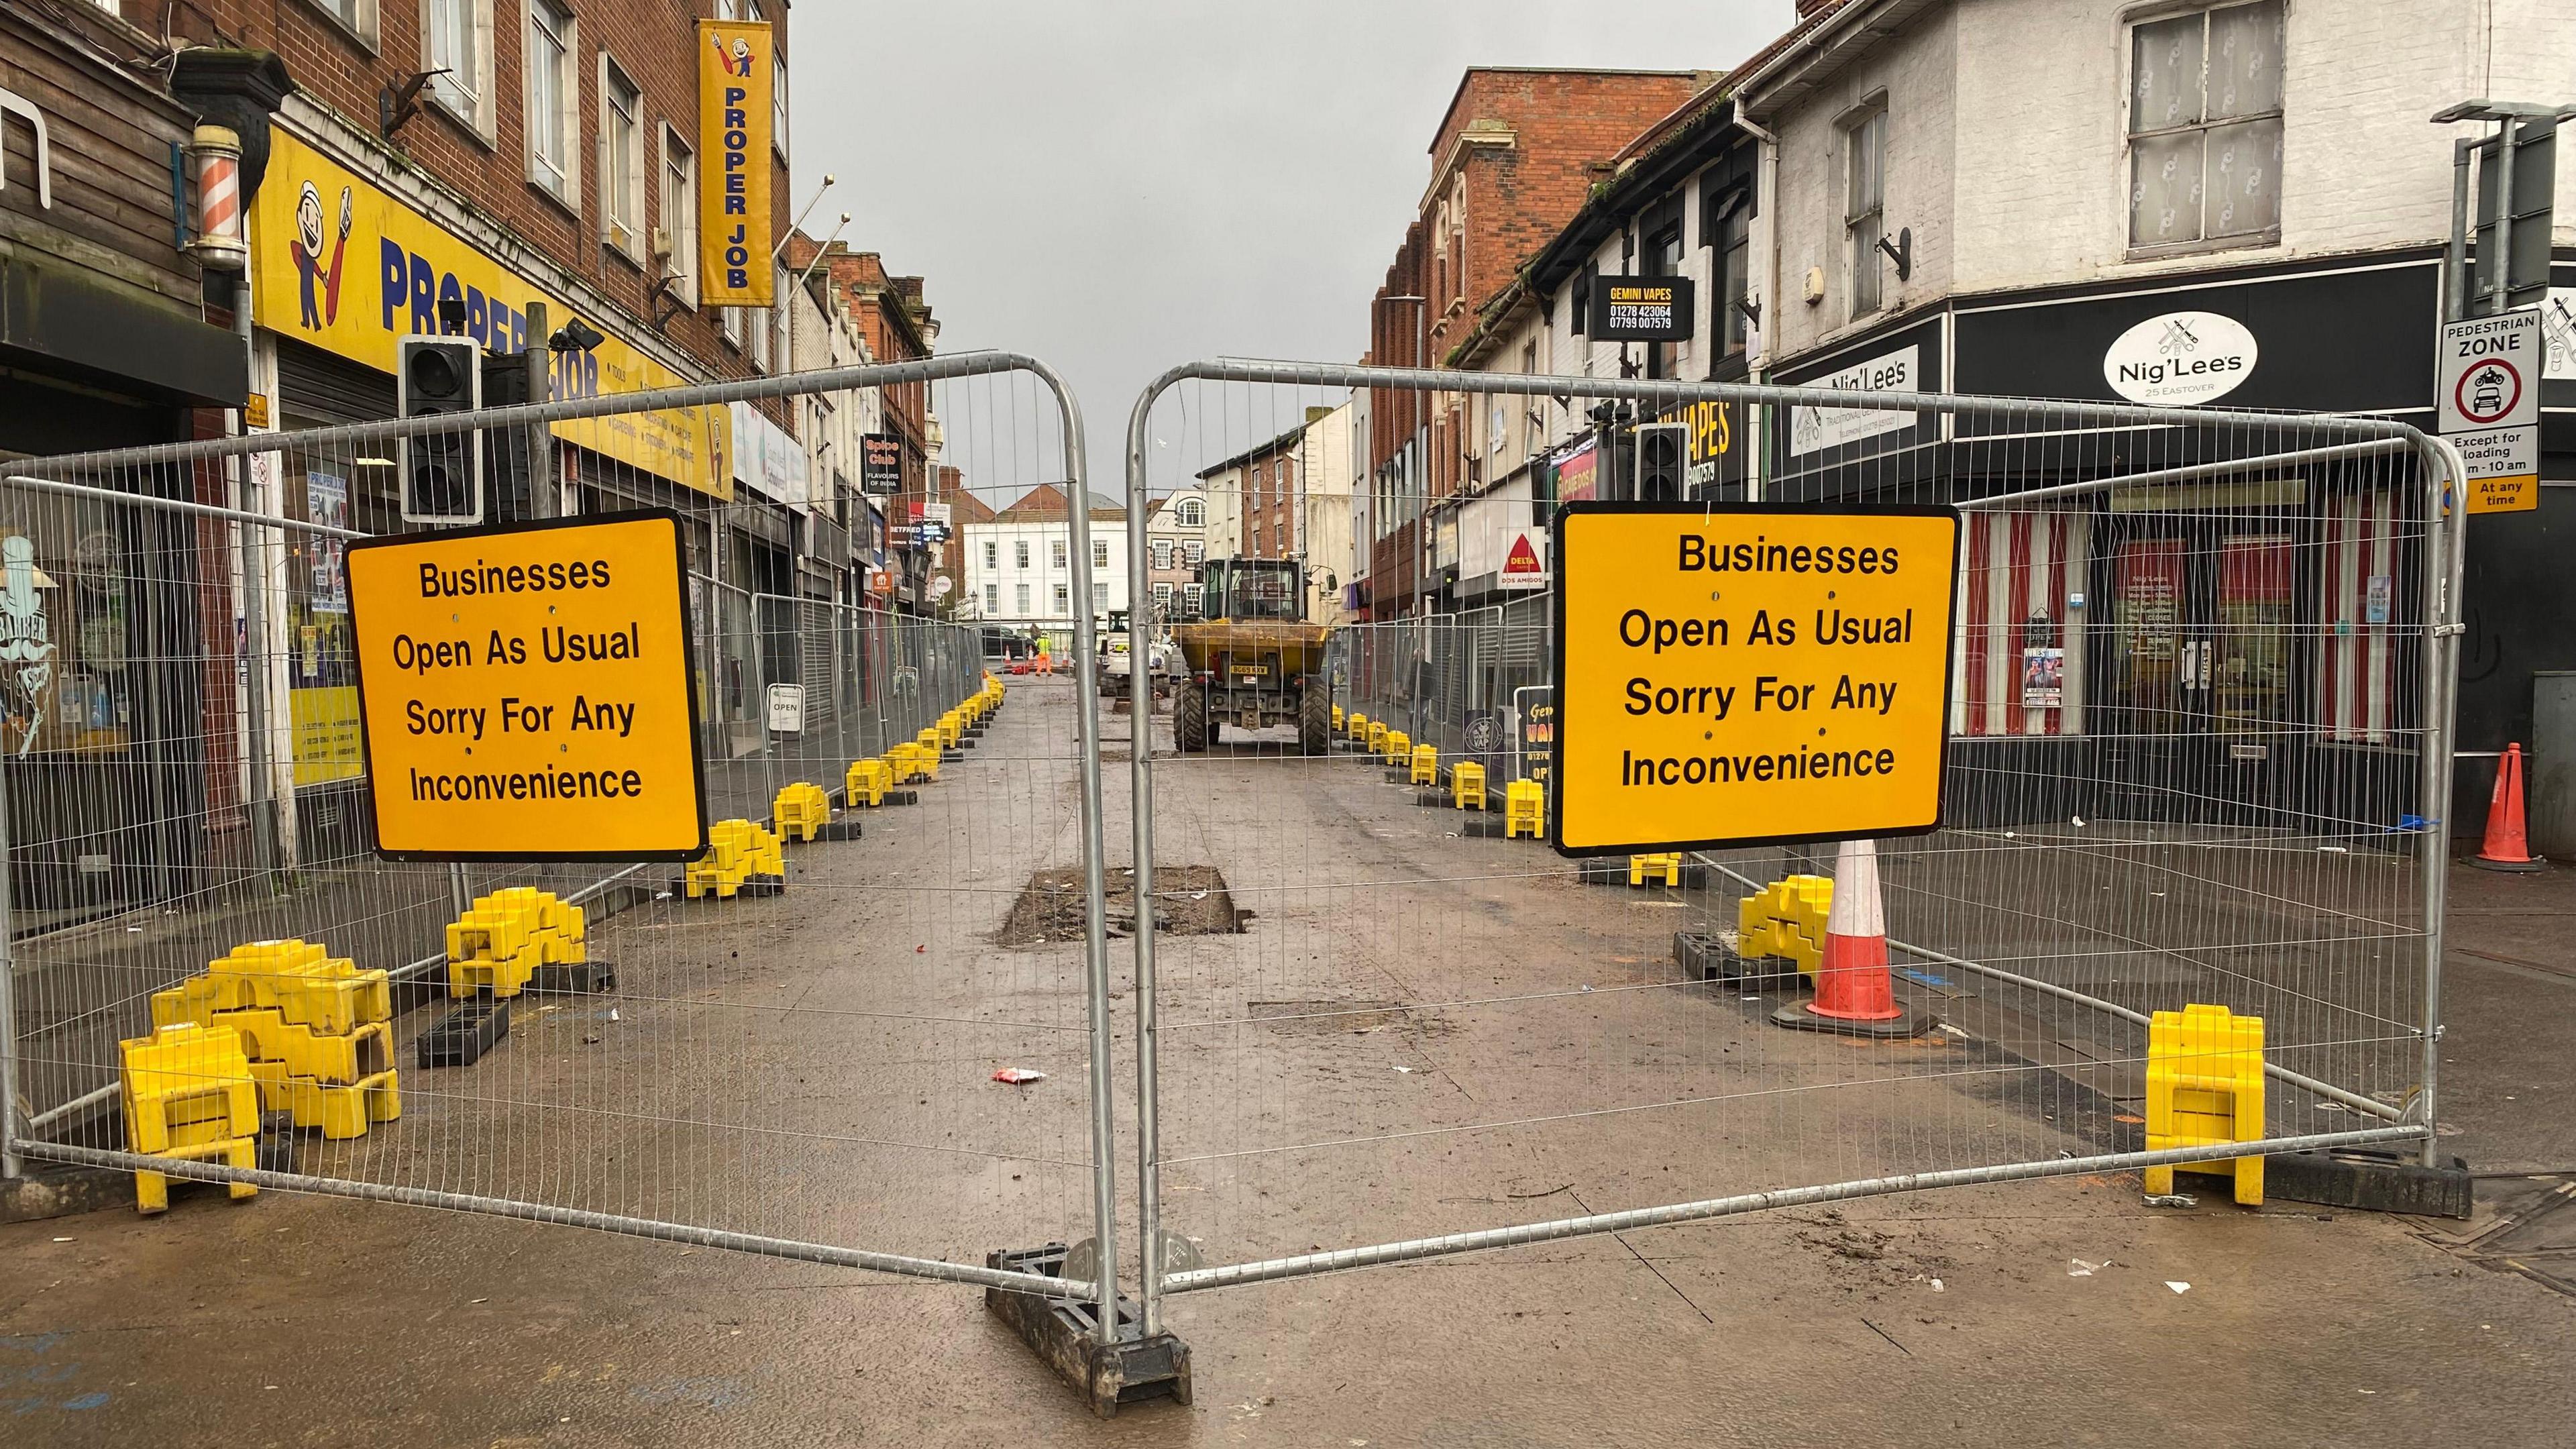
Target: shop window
65, 686
2204, 126
2019, 667
1865, 205
621, 160
456, 39
551, 122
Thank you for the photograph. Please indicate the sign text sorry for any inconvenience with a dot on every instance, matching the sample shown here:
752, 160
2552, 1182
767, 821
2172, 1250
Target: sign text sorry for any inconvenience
1739, 673
525, 692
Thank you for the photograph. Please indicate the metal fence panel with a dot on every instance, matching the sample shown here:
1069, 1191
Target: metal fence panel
809, 1074
2198, 749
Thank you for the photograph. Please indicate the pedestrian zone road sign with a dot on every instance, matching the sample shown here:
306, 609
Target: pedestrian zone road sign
2489, 402
1739, 674
525, 692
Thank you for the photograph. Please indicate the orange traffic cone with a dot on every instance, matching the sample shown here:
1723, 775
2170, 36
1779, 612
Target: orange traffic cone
2507, 848
1853, 992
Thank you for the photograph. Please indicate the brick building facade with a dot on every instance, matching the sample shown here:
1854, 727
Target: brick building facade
1513, 158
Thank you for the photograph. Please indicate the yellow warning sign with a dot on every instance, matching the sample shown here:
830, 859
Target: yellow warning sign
1734, 674
525, 694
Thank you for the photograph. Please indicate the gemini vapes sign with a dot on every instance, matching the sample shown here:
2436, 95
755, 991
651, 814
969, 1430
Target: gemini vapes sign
1640, 309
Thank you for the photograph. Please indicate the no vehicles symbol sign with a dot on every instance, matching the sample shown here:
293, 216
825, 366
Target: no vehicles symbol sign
1734, 674
2490, 407
2486, 394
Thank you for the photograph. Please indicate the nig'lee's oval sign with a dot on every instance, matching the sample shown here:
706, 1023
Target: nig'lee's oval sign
2180, 360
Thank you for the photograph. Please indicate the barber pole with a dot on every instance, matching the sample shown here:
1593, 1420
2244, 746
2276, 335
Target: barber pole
219, 245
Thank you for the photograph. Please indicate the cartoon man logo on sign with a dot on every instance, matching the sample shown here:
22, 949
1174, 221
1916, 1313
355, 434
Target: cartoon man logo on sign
307, 248
739, 63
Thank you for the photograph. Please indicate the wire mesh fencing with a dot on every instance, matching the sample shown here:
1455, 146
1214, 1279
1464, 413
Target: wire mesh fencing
2197, 741
789, 1046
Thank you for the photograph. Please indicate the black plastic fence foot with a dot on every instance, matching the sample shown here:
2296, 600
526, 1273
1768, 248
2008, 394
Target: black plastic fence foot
460, 1038
573, 978
1061, 1330
840, 830
1703, 956
2369, 1181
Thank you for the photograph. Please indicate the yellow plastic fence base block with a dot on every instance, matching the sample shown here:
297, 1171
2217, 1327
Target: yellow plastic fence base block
802, 810
2205, 1089
152, 1189
341, 1111
1524, 809
1399, 747
183, 1077
1357, 727
905, 762
1665, 866
1467, 785
1337, 719
738, 851
307, 1053
1376, 737
1785, 921
1426, 765
865, 786
951, 729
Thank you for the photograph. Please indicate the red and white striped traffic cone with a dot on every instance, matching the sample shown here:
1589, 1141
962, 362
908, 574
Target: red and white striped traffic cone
1853, 992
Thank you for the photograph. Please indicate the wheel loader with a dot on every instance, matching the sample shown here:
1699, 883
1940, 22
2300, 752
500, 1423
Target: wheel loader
1253, 660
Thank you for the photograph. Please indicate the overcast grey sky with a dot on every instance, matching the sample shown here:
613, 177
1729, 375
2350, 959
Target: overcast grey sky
1120, 185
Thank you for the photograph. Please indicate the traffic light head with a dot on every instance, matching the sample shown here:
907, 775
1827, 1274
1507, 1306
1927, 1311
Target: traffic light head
442, 471
1663, 462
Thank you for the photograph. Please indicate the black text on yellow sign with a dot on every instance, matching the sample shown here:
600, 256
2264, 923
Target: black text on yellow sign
1738, 674
525, 692
735, 128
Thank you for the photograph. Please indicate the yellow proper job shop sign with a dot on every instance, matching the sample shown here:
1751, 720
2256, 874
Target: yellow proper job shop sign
734, 129
1735, 674
525, 692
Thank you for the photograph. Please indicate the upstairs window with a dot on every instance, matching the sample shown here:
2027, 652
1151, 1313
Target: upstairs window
621, 159
1865, 206
551, 124
2205, 128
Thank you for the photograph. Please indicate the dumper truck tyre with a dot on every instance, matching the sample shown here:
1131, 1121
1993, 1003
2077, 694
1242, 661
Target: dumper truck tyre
1315, 721
1190, 718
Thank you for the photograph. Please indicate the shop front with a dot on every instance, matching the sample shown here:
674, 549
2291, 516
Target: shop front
108, 655
2225, 646
342, 270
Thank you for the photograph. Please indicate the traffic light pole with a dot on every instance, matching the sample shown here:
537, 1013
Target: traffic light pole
545, 500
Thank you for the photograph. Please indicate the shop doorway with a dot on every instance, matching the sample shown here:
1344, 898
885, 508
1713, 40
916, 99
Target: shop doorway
2202, 641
